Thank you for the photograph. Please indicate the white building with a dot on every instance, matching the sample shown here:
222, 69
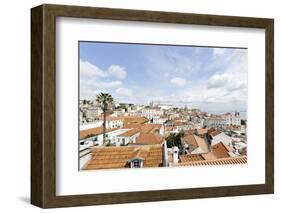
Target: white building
114, 122
159, 119
119, 112
165, 106
130, 136
215, 122
94, 124
85, 156
94, 136
232, 119
151, 112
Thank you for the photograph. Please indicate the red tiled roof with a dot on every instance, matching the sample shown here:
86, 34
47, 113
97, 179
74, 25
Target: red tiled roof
149, 138
150, 128
118, 157
221, 161
202, 131
214, 132
209, 156
179, 123
189, 132
134, 120
129, 133
92, 132
221, 150
191, 157
197, 157
196, 141
144, 128
114, 118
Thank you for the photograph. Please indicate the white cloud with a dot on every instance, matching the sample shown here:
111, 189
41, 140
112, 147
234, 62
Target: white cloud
90, 70
117, 71
124, 92
94, 79
218, 80
179, 82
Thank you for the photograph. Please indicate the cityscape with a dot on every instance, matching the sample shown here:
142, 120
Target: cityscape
124, 126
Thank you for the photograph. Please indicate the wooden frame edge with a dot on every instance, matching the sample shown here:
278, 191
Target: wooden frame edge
36, 106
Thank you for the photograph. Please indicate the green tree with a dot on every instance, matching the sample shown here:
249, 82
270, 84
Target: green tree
174, 139
104, 100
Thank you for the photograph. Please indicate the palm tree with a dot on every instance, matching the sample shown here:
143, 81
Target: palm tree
104, 100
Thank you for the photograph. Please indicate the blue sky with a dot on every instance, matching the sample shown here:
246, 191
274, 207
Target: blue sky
212, 79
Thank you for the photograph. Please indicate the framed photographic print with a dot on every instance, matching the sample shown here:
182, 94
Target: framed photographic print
136, 106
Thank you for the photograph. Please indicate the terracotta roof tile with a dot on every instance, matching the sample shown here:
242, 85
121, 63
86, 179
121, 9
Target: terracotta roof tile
202, 131
197, 157
114, 118
191, 157
92, 132
209, 156
154, 157
189, 132
214, 133
149, 138
221, 150
196, 141
179, 123
221, 161
118, 157
134, 120
144, 128
129, 133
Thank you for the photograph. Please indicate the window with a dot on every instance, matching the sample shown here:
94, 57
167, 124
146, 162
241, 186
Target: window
136, 164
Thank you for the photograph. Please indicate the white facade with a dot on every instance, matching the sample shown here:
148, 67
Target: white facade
112, 136
114, 123
125, 140
151, 112
93, 124
85, 156
232, 119
119, 112
215, 123
166, 107
158, 120
93, 112
97, 140
175, 151
162, 130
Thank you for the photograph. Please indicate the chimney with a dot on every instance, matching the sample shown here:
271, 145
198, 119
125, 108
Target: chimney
175, 154
165, 155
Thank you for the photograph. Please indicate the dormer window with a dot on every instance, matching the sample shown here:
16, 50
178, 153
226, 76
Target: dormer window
136, 164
